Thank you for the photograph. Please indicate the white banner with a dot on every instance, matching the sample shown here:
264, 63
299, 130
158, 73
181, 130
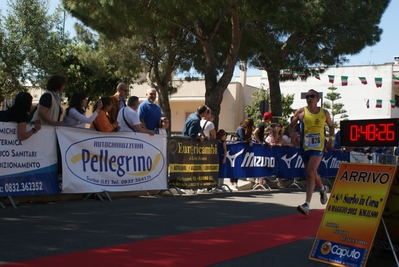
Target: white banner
27, 167
94, 162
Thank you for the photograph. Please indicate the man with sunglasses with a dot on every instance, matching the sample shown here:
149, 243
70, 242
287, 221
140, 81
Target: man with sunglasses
118, 101
312, 144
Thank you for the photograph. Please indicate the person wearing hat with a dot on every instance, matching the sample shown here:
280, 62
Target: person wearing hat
259, 132
259, 135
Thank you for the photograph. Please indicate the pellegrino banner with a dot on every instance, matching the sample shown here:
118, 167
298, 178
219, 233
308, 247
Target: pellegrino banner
95, 162
27, 167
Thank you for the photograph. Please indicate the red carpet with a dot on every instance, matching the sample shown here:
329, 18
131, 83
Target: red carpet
199, 248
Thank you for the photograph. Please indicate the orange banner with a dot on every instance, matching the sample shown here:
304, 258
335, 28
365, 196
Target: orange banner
353, 214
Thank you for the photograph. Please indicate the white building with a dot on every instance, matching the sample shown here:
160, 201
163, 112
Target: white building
354, 96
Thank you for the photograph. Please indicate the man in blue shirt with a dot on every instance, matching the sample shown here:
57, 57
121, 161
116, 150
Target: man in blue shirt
192, 126
149, 112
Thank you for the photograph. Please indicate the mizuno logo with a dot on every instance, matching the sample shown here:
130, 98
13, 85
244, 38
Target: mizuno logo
325, 161
232, 158
288, 160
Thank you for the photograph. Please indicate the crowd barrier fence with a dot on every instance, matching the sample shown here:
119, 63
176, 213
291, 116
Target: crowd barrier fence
95, 162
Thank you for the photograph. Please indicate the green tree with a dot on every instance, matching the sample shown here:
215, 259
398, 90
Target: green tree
334, 107
175, 34
308, 36
287, 110
253, 110
95, 65
30, 45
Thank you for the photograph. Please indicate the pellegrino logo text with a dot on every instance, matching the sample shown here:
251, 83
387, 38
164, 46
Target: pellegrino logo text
86, 160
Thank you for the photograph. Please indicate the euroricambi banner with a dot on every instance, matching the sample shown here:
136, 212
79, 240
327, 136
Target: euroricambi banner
353, 213
193, 164
27, 167
95, 162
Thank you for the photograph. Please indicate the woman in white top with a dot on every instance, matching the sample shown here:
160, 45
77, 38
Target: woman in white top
162, 128
75, 114
208, 128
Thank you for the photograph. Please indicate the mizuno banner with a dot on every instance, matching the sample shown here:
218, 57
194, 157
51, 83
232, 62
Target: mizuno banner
249, 161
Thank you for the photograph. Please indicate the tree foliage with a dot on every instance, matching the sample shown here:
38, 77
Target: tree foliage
334, 107
175, 35
31, 45
307, 35
178, 35
253, 110
34, 46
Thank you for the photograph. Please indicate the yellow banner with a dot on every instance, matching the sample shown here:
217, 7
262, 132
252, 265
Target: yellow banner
353, 214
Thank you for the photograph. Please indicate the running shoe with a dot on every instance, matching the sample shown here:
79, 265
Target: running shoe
323, 197
304, 209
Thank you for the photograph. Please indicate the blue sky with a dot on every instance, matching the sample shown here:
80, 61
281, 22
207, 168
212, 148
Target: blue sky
382, 52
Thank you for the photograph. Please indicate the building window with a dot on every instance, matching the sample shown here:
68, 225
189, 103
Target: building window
397, 100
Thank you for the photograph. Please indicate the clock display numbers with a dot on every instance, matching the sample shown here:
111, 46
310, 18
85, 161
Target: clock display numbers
378, 132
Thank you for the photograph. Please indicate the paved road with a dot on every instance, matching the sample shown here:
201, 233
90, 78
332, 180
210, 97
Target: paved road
46, 229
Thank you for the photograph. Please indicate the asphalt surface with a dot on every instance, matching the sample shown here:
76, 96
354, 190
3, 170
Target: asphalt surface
36, 230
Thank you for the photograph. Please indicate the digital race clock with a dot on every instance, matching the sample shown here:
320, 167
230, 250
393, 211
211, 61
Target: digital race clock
376, 132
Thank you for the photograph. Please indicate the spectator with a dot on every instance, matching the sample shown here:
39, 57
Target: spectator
118, 101
244, 131
312, 147
243, 134
149, 112
129, 119
221, 136
101, 123
19, 113
295, 137
273, 139
259, 132
337, 140
286, 139
259, 135
208, 128
163, 126
192, 126
75, 114
49, 109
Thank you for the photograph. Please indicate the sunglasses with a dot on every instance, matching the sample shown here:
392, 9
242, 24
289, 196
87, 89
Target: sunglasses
310, 96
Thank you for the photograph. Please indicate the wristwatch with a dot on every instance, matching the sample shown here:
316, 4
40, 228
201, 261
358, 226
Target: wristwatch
34, 130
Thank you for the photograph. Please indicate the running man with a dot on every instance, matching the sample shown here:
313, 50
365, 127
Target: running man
312, 144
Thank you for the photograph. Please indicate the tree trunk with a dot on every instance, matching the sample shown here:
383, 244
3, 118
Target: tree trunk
163, 100
214, 89
275, 93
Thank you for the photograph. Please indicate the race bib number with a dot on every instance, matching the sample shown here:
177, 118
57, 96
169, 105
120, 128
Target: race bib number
312, 141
